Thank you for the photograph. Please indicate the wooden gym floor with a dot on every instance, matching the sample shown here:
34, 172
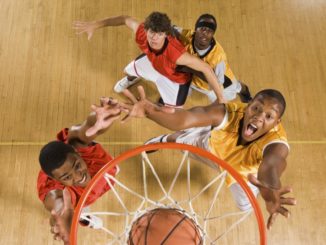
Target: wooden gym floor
49, 77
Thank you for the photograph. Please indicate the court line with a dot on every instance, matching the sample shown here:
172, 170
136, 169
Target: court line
30, 143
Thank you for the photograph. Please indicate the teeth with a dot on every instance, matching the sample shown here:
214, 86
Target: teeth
254, 126
83, 180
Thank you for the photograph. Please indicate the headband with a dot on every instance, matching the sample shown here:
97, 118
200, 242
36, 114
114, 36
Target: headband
209, 25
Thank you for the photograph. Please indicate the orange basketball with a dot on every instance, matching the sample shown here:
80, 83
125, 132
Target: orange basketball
164, 226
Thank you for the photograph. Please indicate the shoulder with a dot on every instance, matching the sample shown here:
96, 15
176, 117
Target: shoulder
175, 45
234, 112
141, 33
275, 138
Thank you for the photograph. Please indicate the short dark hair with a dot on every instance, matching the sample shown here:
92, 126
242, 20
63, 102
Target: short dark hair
275, 94
206, 16
53, 155
158, 22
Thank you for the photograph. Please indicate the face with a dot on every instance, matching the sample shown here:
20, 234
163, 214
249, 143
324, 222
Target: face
261, 115
155, 39
73, 172
204, 35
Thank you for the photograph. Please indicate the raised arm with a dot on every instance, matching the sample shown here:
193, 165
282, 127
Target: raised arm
197, 64
177, 119
91, 26
269, 184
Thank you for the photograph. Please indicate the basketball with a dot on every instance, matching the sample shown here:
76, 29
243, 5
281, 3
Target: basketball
164, 226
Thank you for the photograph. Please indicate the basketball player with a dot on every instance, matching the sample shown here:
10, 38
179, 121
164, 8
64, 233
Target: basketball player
250, 137
68, 164
201, 43
162, 53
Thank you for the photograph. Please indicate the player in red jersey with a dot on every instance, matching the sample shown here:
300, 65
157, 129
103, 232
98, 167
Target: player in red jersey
69, 163
162, 54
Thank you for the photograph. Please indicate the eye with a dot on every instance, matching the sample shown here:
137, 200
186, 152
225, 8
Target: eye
77, 166
67, 178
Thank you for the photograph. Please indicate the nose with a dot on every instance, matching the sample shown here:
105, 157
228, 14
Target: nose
77, 176
259, 116
155, 36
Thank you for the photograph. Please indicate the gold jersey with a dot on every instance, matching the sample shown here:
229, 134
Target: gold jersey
244, 159
213, 57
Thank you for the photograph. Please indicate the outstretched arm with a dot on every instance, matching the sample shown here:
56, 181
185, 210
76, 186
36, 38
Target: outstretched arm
60, 220
197, 64
173, 119
269, 184
99, 120
90, 27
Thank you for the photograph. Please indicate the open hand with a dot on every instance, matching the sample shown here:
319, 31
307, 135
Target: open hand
85, 27
106, 114
274, 199
61, 221
138, 107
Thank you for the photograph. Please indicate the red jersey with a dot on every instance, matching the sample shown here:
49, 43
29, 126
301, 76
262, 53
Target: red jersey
164, 60
95, 158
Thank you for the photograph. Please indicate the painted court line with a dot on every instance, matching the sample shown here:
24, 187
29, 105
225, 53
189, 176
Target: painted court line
28, 143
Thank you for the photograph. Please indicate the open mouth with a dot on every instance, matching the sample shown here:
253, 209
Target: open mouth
250, 130
83, 180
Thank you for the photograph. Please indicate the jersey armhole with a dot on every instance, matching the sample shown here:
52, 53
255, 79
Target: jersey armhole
276, 142
223, 123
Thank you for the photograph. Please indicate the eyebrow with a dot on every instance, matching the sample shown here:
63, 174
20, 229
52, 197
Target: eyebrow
261, 100
73, 165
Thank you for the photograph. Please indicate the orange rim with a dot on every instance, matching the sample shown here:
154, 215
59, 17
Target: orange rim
190, 148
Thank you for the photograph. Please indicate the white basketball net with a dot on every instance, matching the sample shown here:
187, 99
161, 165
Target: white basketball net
167, 200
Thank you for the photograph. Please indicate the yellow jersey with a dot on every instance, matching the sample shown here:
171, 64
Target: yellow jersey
244, 159
214, 56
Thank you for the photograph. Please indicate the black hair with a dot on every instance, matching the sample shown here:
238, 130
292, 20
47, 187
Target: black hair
158, 22
206, 16
275, 94
53, 155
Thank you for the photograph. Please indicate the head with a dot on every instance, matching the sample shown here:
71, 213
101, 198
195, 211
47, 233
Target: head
157, 26
61, 162
262, 114
204, 30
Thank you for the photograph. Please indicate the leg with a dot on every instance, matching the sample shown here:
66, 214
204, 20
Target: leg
139, 68
240, 196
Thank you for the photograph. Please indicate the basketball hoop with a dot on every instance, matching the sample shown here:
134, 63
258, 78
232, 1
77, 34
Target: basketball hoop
191, 203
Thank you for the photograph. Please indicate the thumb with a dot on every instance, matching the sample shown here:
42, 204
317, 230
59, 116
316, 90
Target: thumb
253, 180
66, 199
89, 36
91, 131
93, 107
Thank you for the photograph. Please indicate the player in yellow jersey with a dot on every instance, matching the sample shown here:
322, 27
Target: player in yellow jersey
250, 137
201, 43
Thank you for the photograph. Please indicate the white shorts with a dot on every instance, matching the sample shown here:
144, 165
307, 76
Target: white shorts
229, 93
172, 93
199, 137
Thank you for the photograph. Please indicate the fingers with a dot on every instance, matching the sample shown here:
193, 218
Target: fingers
108, 101
89, 35
288, 201
130, 96
66, 199
141, 92
285, 190
253, 180
271, 220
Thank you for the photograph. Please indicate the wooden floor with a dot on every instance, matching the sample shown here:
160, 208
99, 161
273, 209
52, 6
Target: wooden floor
49, 77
